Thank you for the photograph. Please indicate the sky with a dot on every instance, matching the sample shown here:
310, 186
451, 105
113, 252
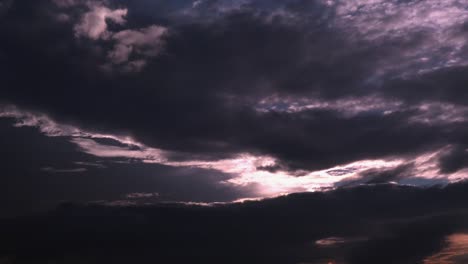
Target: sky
231, 106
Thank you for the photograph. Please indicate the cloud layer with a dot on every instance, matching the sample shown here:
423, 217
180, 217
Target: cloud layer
385, 224
282, 97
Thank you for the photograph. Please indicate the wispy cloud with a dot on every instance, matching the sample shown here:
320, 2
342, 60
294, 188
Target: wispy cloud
55, 170
247, 168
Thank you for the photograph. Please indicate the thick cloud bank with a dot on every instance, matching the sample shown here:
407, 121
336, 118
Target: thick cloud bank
121, 102
384, 224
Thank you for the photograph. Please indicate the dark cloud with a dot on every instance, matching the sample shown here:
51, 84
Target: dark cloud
444, 85
385, 224
5, 6
197, 96
382, 176
454, 160
193, 96
387, 175
39, 172
314, 85
322, 139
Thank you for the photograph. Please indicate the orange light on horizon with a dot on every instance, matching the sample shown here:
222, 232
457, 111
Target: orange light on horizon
456, 248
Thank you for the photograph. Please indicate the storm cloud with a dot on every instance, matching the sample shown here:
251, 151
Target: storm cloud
385, 224
324, 131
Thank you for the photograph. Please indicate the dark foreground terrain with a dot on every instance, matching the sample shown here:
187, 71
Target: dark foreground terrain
369, 224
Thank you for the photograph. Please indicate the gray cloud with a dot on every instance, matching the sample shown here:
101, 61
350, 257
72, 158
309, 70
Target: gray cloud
298, 87
190, 105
